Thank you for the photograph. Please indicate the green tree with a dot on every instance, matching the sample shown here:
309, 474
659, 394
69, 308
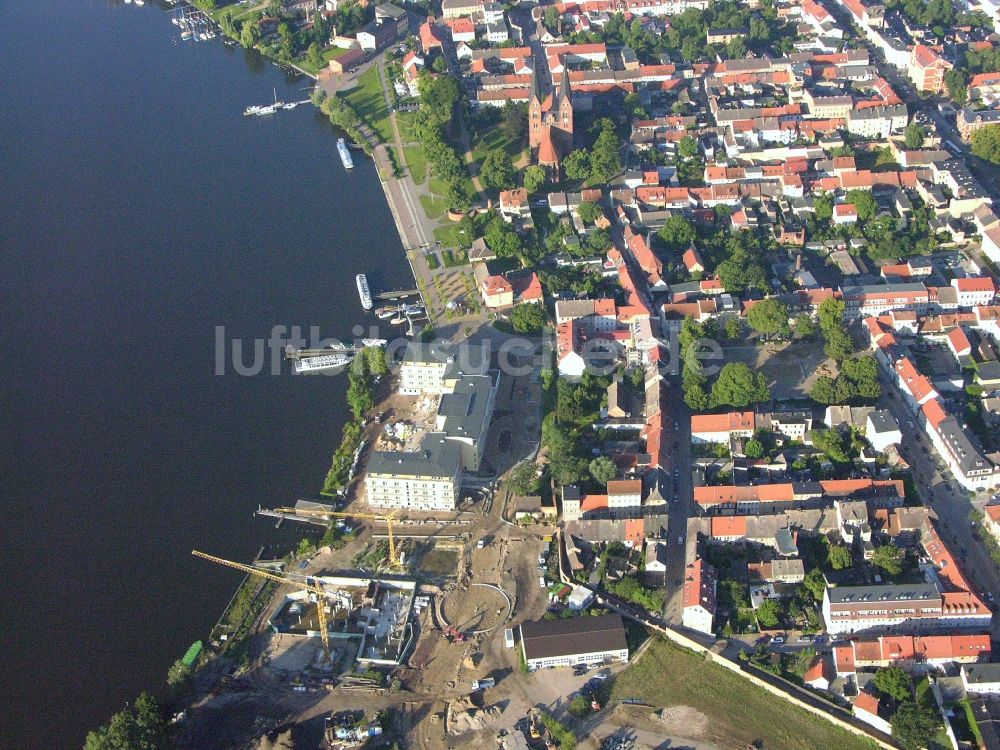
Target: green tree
738, 385
178, 674
824, 390
250, 34
893, 682
603, 469
986, 143
534, 178
359, 392
769, 613
577, 165
515, 122
823, 206
914, 726
733, 329
769, 316
914, 135
438, 95
864, 201
502, 239
528, 318
376, 360
804, 326
833, 444
695, 397
606, 154
815, 583
889, 557
839, 557
687, 147
838, 344
497, 170
677, 233
579, 706
137, 727
523, 480
956, 81
589, 212
754, 449
315, 55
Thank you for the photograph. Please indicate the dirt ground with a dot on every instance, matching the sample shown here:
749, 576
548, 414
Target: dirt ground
677, 728
791, 368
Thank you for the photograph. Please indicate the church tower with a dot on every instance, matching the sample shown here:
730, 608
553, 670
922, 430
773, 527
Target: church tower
565, 111
535, 103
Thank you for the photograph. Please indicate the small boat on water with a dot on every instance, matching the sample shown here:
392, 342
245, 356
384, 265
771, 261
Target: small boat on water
363, 291
345, 154
385, 312
187, 35
140, 2
398, 320
374, 342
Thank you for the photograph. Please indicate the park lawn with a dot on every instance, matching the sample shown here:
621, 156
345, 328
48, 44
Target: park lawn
405, 122
450, 235
491, 139
416, 162
434, 207
667, 675
369, 103
439, 186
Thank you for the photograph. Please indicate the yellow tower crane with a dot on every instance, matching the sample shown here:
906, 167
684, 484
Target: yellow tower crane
390, 518
321, 594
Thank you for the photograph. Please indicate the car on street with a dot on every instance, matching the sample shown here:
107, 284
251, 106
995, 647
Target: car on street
778, 639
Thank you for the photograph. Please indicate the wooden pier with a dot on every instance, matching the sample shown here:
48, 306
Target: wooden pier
399, 294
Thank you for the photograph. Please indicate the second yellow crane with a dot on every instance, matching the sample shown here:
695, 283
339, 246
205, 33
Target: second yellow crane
389, 519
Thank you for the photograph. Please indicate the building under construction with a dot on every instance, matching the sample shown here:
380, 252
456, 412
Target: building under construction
373, 611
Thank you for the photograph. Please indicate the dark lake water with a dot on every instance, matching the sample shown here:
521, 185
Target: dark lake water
139, 210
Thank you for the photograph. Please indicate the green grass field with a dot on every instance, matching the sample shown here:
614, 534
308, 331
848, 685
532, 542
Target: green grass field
368, 101
433, 207
416, 162
666, 675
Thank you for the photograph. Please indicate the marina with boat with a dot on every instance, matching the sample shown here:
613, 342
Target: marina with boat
328, 358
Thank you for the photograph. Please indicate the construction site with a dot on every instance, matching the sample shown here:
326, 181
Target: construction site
408, 614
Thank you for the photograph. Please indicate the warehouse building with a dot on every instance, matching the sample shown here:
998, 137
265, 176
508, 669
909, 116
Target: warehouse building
575, 640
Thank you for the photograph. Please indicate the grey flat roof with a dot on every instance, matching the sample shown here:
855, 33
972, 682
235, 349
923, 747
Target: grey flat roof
543, 639
894, 593
979, 673
438, 457
883, 421
465, 410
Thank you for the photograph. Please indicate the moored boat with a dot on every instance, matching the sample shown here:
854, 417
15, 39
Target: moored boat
363, 291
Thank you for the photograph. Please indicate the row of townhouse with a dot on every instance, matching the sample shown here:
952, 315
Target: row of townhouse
760, 499
722, 428
958, 449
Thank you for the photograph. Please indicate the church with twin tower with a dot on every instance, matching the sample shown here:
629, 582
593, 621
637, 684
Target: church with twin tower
550, 124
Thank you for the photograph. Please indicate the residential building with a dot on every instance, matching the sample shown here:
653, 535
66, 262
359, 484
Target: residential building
426, 479
882, 430
459, 8
981, 679
700, 580
927, 69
